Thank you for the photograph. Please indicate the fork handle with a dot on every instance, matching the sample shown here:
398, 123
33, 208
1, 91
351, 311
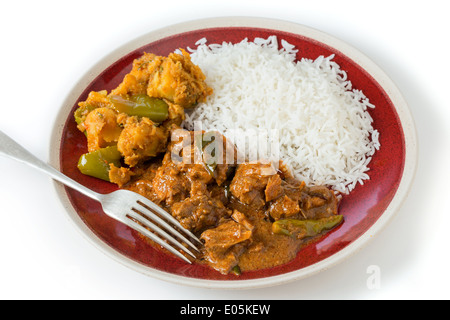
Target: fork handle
11, 149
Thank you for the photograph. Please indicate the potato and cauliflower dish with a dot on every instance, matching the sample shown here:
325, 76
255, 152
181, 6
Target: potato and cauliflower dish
132, 123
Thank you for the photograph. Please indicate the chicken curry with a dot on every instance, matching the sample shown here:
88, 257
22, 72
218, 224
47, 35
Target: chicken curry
249, 214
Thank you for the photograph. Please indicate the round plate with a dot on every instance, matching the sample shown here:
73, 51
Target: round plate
366, 210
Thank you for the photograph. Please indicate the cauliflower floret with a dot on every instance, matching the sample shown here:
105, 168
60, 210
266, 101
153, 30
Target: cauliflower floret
140, 139
173, 78
102, 129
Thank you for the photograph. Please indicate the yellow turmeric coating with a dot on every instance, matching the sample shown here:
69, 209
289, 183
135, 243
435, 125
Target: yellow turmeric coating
102, 129
94, 100
140, 139
174, 79
119, 176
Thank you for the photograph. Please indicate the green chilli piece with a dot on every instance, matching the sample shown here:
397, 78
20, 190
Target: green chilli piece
141, 105
236, 270
96, 163
204, 141
305, 228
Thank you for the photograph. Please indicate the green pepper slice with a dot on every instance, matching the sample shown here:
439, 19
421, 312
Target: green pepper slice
305, 228
141, 105
236, 270
96, 163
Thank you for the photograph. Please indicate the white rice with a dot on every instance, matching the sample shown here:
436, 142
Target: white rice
323, 125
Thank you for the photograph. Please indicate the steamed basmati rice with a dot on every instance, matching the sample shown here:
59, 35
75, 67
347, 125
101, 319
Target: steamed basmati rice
324, 128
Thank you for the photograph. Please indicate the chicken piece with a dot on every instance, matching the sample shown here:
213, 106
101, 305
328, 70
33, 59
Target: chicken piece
239, 217
283, 197
199, 212
102, 128
212, 157
226, 243
142, 181
293, 199
250, 181
140, 139
219, 155
169, 183
318, 202
180, 175
186, 162
284, 207
273, 189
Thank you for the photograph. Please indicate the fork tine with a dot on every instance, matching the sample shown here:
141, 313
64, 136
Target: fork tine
134, 225
157, 229
144, 202
162, 223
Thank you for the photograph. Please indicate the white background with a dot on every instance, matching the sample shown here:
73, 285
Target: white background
48, 45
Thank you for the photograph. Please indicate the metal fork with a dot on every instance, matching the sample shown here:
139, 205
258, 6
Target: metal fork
130, 208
